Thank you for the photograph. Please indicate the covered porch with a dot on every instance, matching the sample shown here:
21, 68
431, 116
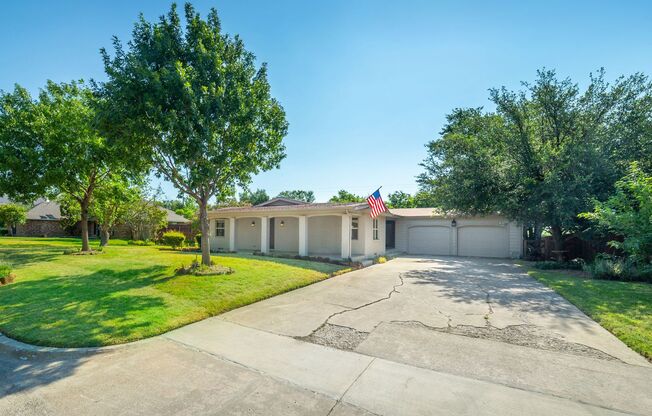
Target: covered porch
289, 227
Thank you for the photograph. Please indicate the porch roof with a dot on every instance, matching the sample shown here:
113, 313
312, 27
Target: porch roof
295, 209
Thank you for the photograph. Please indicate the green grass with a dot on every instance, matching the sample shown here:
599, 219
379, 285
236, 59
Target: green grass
129, 292
624, 308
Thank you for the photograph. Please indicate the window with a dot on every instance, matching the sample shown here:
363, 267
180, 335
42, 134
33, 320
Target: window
354, 228
374, 226
219, 228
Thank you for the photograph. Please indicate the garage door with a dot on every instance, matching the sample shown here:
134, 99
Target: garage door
429, 240
483, 241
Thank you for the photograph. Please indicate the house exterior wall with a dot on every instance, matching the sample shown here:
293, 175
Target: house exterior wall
513, 231
219, 243
358, 246
286, 237
324, 235
374, 248
247, 237
40, 228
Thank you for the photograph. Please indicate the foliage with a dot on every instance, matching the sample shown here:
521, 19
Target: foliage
144, 218
344, 197
186, 207
299, 195
198, 239
254, 197
140, 243
113, 201
5, 269
400, 199
576, 264
544, 154
173, 239
12, 215
51, 146
623, 308
128, 293
628, 213
613, 268
191, 101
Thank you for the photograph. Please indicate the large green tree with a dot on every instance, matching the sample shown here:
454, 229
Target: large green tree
51, 145
344, 196
254, 197
544, 154
299, 195
192, 101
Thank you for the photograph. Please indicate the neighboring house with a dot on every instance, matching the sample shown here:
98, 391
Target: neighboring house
44, 220
347, 231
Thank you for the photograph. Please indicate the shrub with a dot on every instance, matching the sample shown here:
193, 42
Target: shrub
6, 276
380, 260
173, 239
611, 268
140, 242
198, 239
575, 264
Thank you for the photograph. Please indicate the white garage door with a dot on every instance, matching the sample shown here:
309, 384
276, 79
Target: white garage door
483, 241
429, 240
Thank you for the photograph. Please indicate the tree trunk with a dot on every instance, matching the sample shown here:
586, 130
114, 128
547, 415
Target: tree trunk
84, 224
204, 225
104, 237
558, 242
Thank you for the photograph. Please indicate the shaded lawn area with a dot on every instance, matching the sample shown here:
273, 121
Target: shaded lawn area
623, 308
129, 292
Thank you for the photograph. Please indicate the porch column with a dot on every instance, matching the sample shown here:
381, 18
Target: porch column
346, 236
303, 235
231, 234
264, 234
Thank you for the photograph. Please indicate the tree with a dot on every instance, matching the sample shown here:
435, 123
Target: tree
305, 196
145, 218
113, 201
254, 197
344, 197
51, 146
192, 102
543, 155
186, 207
628, 213
12, 215
400, 199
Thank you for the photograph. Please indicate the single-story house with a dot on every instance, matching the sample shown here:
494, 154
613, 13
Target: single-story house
346, 231
44, 220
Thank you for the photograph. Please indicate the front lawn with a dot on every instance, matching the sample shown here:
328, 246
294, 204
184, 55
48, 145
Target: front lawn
129, 292
624, 308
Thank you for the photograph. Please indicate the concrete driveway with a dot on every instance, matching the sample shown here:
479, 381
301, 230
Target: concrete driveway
412, 336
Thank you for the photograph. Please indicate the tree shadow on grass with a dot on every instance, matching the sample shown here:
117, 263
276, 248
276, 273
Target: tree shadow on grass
25, 254
80, 310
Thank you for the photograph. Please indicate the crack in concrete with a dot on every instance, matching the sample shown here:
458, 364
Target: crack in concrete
323, 329
523, 335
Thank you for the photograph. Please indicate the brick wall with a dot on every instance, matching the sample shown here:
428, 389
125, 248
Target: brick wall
40, 228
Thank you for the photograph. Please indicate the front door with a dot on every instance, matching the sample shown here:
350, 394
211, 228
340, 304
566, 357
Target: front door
390, 233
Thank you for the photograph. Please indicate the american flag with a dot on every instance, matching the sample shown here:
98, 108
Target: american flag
376, 204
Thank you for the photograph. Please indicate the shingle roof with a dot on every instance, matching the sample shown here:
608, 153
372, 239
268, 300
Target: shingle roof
174, 217
47, 210
303, 206
417, 212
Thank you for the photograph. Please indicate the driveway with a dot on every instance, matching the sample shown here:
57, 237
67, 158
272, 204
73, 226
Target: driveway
412, 336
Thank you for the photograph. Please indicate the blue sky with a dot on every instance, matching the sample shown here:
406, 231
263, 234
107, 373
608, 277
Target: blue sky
365, 84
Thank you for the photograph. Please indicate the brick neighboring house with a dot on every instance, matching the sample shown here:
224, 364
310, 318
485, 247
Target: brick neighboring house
44, 220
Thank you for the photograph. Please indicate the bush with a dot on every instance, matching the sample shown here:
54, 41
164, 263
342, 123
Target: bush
140, 242
198, 239
611, 268
6, 276
380, 260
575, 264
173, 239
